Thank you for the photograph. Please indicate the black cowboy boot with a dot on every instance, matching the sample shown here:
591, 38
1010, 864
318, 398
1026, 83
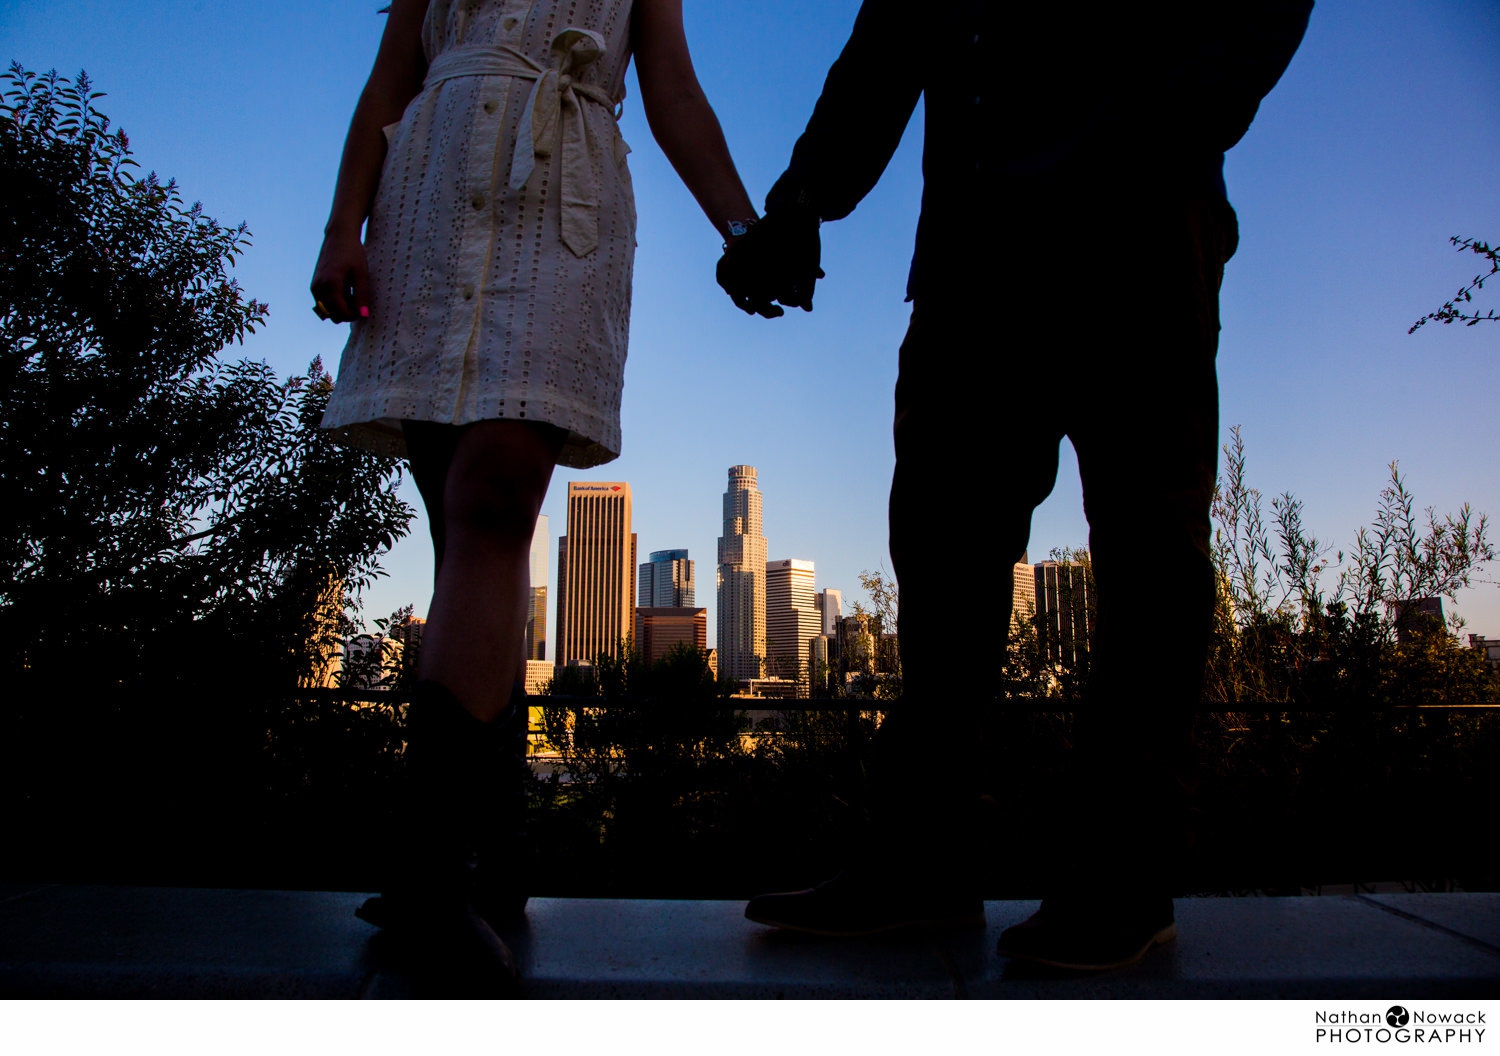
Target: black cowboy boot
429, 909
501, 872
502, 851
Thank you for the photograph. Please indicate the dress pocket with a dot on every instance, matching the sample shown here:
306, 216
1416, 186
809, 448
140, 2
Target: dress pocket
621, 150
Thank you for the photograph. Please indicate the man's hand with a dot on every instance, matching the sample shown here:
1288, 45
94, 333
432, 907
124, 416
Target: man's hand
776, 260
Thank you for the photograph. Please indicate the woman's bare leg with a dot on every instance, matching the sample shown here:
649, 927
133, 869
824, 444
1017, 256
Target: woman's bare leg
429, 448
483, 485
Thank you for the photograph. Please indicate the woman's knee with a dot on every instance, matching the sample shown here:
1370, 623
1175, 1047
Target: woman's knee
496, 484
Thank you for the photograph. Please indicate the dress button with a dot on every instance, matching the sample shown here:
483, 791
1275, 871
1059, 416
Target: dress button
468, 293
489, 106
477, 201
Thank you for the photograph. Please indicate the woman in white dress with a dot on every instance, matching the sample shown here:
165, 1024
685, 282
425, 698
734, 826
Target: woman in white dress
489, 302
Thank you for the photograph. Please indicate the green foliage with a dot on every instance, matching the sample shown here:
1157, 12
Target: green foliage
1452, 311
1029, 672
673, 710
1283, 634
884, 682
385, 658
157, 506
652, 759
180, 546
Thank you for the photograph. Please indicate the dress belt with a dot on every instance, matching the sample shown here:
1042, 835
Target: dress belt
552, 119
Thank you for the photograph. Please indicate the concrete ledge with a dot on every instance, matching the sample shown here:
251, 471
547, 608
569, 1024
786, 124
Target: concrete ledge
106, 942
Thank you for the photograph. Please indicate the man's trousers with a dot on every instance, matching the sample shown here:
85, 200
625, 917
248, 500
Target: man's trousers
1100, 325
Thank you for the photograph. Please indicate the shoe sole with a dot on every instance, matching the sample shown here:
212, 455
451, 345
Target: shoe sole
1161, 938
970, 923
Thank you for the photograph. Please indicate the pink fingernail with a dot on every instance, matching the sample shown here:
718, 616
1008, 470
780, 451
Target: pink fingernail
364, 312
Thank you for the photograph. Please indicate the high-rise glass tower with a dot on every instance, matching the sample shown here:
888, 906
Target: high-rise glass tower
666, 581
742, 580
792, 617
595, 572
536, 604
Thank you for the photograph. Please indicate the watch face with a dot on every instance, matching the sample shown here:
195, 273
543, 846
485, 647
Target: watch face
737, 228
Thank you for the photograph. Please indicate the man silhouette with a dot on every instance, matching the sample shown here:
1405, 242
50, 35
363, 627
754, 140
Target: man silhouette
1073, 210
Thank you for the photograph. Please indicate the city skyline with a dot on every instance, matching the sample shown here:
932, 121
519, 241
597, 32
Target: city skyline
796, 621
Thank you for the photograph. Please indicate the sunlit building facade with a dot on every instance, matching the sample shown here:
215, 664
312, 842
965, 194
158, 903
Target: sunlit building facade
742, 580
659, 629
595, 572
793, 619
536, 604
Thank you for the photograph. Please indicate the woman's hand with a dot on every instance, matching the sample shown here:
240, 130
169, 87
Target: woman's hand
777, 260
341, 280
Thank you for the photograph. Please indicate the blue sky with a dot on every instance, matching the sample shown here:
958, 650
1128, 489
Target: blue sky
1380, 142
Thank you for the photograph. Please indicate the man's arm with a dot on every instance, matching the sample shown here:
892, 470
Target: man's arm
1228, 58
867, 101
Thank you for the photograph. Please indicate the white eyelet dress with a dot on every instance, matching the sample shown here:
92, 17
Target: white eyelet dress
502, 239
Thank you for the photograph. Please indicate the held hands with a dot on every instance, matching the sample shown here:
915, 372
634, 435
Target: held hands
341, 279
776, 260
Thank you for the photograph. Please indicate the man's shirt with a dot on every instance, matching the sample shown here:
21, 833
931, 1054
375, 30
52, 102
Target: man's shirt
1030, 105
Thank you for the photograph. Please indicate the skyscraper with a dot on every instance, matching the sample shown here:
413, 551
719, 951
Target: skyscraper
666, 581
657, 630
830, 603
742, 580
1023, 591
595, 571
536, 605
1064, 611
792, 617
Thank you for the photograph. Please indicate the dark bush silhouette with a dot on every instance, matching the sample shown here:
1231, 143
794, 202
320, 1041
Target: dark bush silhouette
179, 545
